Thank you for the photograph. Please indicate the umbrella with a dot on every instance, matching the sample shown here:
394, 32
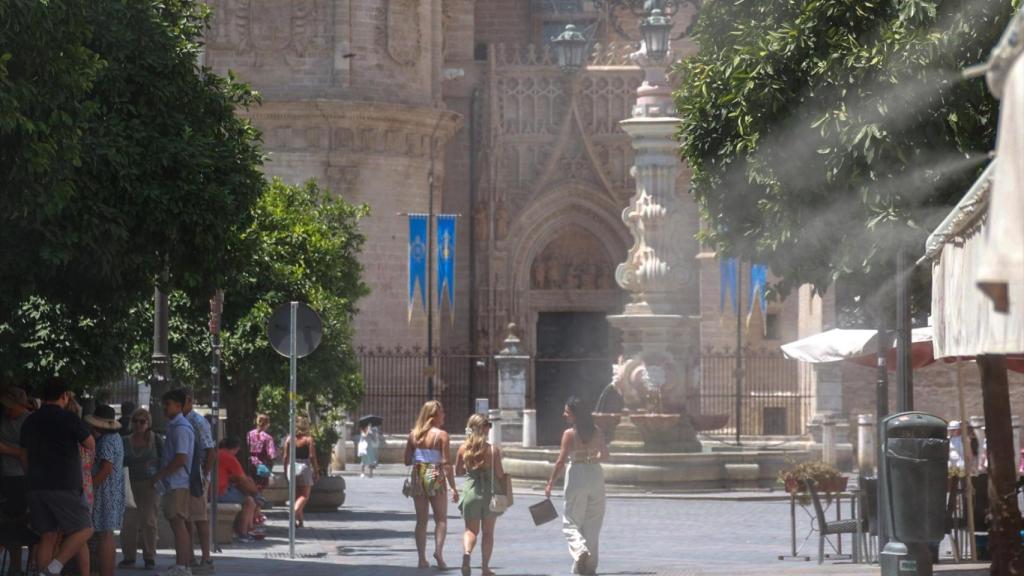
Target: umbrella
371, 420
858, 346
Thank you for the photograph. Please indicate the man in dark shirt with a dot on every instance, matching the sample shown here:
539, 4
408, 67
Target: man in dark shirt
51, 437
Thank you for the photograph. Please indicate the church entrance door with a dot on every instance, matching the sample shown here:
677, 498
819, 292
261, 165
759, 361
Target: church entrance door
572, 359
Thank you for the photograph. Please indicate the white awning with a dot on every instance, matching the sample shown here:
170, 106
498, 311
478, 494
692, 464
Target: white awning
963, 318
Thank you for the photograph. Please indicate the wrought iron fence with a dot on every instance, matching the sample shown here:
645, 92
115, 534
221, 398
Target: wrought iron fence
774, 398
395, 383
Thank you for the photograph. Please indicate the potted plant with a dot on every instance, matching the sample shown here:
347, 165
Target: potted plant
329, 491
828, 479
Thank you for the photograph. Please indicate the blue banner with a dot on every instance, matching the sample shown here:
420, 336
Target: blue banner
728, 269
417, 259
758, 289
446, 262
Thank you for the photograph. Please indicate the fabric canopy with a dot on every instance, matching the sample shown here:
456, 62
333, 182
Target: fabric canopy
857, 346
965, 322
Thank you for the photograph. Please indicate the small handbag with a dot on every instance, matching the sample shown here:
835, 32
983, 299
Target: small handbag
407, 485
500, 502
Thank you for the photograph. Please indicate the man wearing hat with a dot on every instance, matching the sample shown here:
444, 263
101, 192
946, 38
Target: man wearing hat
12, 481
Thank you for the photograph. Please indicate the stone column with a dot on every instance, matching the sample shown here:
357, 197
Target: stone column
529, 428
512, 368
866, 451
658, 326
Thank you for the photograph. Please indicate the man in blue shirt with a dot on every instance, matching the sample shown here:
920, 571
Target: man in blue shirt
172, 479
202, 464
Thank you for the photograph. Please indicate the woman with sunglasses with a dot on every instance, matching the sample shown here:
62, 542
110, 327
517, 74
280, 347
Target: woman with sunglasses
481, 463
142, 450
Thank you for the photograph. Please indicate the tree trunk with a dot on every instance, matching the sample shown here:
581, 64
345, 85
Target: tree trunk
240, 403
1004, 515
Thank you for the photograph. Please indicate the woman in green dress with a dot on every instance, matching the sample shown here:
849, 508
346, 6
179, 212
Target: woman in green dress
481, 463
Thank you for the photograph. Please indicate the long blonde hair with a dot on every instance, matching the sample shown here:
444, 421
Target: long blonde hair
476, 442
301, 426
426, 420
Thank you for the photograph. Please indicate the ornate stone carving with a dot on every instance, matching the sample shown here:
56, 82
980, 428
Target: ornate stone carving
501, 221
298, 31
481, 223
574, 260
399, 31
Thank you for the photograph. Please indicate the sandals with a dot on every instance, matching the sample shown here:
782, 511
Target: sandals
466, 570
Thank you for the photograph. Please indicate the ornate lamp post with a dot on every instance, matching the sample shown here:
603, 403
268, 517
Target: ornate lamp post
570, 47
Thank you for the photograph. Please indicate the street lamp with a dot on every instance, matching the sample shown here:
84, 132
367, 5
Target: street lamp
569, 47
656, 29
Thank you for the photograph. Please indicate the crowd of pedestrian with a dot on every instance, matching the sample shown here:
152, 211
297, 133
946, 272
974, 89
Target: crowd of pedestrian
70, 482
486, 490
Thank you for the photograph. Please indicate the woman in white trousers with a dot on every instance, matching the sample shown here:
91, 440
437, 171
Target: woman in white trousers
583, 449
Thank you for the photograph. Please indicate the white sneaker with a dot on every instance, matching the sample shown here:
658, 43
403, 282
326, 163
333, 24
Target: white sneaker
178, 571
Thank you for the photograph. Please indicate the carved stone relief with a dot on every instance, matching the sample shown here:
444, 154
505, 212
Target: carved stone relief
575, 260
399, 31
297, 32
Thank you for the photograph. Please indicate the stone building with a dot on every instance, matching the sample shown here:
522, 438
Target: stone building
384, 100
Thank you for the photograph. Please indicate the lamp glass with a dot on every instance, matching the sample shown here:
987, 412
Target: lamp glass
569, 48
656, 30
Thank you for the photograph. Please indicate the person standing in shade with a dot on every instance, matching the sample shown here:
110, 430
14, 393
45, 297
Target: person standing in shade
142, 451
127, 409
368, 449
481, 463
306, 466
427, 451
173, 479
583, 448
12, 482
108, 484
51, 437
199, 481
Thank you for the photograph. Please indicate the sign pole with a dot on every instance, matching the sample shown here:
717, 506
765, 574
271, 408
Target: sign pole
292, 359
216, 310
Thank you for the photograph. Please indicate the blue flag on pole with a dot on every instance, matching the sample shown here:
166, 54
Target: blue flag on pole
758, 289
728, 269
446, 262
417, 259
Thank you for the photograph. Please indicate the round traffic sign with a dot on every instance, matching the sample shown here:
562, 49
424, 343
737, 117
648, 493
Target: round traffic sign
308, 326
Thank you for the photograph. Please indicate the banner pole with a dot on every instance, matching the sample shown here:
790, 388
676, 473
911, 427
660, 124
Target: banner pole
292, 354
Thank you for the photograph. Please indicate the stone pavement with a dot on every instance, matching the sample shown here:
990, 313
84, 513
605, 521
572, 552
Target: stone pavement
372, 536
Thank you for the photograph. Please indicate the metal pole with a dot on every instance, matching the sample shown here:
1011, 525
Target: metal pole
881, 411
430, 276
739, 348
216, 308
160, 363
292, 360
904, 371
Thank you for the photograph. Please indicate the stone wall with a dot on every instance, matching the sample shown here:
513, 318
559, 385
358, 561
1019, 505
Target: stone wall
503, 22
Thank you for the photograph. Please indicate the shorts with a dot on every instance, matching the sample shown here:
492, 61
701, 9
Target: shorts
198, 508
303, 473
176, 504
58, 511
13, 488
232, 496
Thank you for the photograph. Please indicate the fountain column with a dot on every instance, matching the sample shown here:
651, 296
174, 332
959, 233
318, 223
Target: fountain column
659, 326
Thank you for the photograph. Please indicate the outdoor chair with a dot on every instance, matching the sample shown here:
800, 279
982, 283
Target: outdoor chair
826, 527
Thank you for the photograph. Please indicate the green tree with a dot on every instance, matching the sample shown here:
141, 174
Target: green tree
823, 134
303, 244
119, 158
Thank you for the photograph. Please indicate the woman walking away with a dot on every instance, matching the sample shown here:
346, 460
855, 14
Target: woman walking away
427, 452
306, 466
108, 484
369, 447
481, 463
142, 452
262, 453
583, 448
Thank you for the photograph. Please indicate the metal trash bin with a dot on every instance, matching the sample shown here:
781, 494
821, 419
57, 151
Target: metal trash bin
916, 460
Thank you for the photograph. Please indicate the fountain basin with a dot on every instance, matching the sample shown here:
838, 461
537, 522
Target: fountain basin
607, 422
659, 431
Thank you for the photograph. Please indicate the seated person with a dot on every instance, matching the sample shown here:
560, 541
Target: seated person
235, 487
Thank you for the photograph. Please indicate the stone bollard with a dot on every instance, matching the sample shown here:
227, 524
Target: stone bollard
866, 448
494, 437
529, 428
828, 439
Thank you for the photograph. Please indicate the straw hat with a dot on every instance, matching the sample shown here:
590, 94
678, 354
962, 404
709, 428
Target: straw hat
103, 418
15, 398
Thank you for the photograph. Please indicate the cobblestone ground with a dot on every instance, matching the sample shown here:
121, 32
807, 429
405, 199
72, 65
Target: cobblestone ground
372, 535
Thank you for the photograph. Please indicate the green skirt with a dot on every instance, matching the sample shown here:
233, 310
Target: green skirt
475, 502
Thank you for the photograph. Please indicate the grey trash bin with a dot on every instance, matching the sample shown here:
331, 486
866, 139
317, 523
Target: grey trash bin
917, 456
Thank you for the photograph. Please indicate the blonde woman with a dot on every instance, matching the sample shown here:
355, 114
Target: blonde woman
481, 463
427, 451
306, 466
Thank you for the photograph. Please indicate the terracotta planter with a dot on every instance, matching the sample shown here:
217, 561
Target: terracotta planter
703, 422
607, 422
659, 431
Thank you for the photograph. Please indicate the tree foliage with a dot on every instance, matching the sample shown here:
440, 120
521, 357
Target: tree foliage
824, 133
119, 158
303, 244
